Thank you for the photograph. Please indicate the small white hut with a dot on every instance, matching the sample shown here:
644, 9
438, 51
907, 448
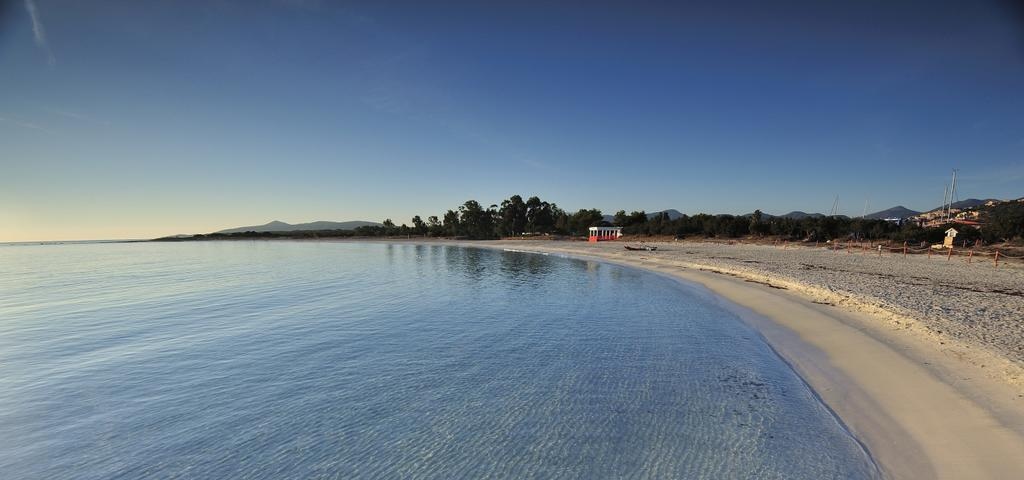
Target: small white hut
601, 234
950, 236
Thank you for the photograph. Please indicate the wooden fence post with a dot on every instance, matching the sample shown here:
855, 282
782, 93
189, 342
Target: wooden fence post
904, 249
997, 258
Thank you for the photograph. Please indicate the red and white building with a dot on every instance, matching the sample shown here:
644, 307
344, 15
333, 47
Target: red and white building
601, 234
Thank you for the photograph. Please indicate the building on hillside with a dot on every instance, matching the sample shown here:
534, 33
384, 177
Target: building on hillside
601, 234
937, 218
929, 219
973, 214
968, 223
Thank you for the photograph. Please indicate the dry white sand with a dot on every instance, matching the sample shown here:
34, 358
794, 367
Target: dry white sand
918, 357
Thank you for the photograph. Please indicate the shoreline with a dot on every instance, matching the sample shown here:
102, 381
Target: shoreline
920, 412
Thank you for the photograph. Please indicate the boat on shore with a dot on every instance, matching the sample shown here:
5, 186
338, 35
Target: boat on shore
641, 248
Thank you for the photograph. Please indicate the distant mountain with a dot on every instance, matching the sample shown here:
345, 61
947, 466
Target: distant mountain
894, 212
969, 203
798, 215
672, 215
279, 226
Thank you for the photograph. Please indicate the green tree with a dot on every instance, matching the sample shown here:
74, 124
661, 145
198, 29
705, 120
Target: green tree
620, 219
475, 221
562, 220
451, 226
582, 220
539, 216
434, 226
1004, 222
512, 216
418, 226
757, 225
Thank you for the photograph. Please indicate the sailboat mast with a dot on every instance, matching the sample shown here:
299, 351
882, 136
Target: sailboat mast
952, 193
945, 200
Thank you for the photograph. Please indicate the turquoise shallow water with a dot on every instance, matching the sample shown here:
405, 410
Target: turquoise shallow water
349, 360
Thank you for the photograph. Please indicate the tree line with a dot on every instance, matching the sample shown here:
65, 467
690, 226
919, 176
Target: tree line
515, 217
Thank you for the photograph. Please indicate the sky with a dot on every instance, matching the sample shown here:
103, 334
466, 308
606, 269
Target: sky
137, 119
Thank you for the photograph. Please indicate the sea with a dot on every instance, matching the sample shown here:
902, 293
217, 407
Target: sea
348, 360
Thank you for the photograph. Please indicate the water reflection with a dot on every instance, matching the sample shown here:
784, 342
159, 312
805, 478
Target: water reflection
521, 266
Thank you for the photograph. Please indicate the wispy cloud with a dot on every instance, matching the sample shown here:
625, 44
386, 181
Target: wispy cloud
21, 124
536, 164
39, 32
77, 116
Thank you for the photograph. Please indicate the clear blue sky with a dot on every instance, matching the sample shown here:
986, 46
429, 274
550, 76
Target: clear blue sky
137, 119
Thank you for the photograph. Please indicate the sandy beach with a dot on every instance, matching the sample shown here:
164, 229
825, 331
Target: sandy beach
920, 357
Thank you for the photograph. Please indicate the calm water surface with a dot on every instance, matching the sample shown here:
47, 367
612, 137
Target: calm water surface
348, 360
